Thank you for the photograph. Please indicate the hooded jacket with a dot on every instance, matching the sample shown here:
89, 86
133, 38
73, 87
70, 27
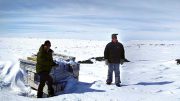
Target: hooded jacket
44, 60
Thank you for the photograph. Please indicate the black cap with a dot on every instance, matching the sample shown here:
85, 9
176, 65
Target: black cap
114, 35
47, 42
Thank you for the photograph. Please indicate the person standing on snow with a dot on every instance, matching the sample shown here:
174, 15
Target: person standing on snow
114, 56
43, 68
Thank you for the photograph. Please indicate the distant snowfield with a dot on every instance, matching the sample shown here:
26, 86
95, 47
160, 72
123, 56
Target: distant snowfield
152, 74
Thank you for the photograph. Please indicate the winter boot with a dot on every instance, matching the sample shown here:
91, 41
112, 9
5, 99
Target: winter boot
108, 83
39, 94
51, 93
118, 85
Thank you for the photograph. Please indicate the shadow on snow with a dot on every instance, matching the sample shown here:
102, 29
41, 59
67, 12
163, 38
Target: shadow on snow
83, 87
154, 83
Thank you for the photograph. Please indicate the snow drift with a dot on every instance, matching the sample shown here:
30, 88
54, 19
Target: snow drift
152, 74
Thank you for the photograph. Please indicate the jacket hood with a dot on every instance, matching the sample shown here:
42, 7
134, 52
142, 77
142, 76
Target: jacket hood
41, 49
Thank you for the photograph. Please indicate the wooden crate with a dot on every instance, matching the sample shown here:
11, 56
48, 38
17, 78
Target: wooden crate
32, 78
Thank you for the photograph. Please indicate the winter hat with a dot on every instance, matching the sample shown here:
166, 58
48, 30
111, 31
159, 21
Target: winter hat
114, 35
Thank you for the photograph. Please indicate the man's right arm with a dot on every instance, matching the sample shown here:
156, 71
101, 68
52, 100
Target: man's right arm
106, 54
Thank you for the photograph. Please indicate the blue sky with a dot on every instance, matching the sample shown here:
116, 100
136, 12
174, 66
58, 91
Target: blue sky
91, 19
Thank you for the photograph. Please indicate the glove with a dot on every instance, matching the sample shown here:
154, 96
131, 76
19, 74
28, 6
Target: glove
178, 61
54, 64
122, 61
106, 61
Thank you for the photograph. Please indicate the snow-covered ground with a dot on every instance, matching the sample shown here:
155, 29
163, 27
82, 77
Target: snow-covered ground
152, 74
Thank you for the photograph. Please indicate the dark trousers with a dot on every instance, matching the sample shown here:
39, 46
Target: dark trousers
45, 78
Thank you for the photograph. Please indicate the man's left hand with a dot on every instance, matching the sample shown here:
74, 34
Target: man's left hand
122, 61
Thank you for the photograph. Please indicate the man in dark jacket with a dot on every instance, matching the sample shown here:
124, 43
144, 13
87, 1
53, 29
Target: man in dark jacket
43, 68
114, 55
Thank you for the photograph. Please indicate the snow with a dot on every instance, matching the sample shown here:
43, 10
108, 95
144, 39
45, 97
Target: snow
152, 74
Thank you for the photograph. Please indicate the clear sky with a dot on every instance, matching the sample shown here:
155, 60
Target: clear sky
91, 19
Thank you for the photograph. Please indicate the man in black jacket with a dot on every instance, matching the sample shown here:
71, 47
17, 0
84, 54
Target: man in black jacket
114, 55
